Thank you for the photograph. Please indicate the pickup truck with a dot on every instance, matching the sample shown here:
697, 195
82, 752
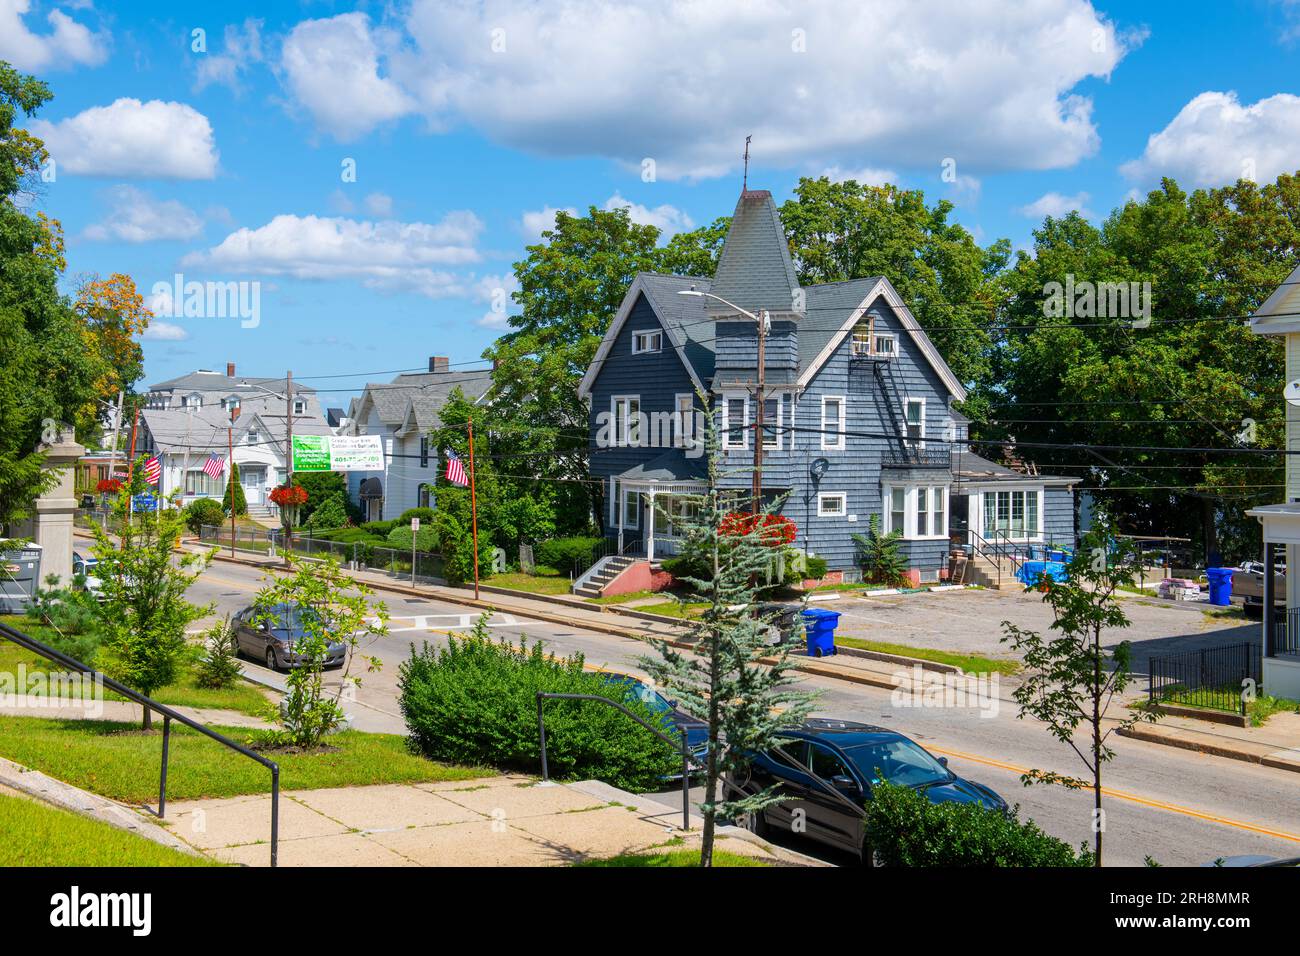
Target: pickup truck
1248, 584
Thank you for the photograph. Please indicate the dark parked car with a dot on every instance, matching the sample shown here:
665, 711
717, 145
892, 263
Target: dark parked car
272, 641
850, 758
696, 730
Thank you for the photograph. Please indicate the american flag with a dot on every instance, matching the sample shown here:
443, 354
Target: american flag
215, 466
456, 470
153, 470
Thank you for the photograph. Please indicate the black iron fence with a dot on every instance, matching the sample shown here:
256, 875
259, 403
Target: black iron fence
1286, 633
168, 715
419, 566
1216, 678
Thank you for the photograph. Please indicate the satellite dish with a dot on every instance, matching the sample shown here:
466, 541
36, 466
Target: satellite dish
1292, 392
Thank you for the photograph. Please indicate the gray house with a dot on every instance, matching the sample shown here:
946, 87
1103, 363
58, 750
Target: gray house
858, 420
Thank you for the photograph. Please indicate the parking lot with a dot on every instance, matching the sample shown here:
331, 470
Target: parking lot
970, 622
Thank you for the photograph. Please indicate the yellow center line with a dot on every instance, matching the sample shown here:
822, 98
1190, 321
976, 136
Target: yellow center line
1134, 798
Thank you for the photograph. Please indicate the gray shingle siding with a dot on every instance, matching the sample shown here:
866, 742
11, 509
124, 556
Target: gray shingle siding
1058, 515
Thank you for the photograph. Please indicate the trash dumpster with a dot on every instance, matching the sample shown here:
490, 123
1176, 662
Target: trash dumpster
20, 576
1220, 585
819, 626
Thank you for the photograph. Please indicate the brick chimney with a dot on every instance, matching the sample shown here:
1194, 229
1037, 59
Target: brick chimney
230, 370
438, 363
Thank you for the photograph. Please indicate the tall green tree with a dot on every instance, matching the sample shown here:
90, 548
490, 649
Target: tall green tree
47, 375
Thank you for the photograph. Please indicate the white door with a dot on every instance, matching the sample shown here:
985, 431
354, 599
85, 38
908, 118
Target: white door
252, 479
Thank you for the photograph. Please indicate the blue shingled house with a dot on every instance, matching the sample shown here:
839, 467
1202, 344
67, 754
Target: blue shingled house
858, 414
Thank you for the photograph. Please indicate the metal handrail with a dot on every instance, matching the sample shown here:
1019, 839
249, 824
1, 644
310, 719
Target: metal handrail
168, 715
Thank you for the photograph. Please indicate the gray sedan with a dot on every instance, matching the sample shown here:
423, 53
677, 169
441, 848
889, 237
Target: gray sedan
272, 641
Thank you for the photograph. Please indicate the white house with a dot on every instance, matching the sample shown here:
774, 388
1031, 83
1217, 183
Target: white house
187, 419
1280, 315
403, 411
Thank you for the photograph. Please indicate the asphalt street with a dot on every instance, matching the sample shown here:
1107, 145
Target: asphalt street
1176, 806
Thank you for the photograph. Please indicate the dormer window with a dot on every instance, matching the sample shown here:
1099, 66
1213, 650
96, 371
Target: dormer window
194, 400
647, 342
230, 402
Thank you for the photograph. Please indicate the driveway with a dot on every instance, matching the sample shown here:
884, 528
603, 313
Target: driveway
970, 622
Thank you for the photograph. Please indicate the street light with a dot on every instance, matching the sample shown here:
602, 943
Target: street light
763, 324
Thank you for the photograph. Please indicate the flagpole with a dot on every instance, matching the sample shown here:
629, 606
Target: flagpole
473, 505
130, 473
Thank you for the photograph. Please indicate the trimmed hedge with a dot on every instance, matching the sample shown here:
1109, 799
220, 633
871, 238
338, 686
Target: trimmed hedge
906, 829
424, 514
426, 539
203, 511
474, 702
566, 553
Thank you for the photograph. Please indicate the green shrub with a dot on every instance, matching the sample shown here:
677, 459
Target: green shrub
424, 514
906, 829
881, 555
232, 481
70, 616
475, 702
380, 528
567, 553
330, 513
218, 666
204, 511
815, 568
426, 539
681, 568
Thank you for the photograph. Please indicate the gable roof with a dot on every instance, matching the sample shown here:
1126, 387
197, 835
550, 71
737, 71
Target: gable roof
1280, 312
755, 270
429, 389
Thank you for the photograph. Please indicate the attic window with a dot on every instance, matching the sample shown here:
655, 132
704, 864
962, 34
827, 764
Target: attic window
884, 345
299, 406
647, 342
866, 341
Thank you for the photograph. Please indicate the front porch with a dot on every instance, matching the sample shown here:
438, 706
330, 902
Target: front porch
1281, 630
648, 516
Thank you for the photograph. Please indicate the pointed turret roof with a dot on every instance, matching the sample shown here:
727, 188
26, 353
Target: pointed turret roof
754, 269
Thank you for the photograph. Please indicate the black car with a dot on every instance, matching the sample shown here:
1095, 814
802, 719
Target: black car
270, 637
850, 758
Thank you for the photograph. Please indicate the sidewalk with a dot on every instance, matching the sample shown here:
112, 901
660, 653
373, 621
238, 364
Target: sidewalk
1276, 744
508, 820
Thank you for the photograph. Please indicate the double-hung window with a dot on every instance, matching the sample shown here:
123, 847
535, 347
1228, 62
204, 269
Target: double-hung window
684, 420
627, 420
832, 423
772, 422
424, 451
631, 509
735, 419
914, 421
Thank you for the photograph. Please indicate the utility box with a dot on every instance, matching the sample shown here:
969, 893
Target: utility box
20, 576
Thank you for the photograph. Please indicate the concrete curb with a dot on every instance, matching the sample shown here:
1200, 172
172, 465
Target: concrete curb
1265, 757
56, 793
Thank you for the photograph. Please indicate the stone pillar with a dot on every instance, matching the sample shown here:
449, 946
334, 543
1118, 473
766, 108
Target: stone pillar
50, 523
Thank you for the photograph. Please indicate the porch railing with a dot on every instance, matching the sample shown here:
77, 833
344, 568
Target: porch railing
1285, 638
1213, 677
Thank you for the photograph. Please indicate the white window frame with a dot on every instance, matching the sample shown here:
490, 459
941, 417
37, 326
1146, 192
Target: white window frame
889, 337
823, 497
776, 428
1036, 535
683, 419
919, 441
837, 440
625, 421
252, 437
647, 336
622, 509
863, 328
935, 530
299, 407
727, 442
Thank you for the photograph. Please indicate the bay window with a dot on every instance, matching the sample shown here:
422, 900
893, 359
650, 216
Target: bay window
918, 512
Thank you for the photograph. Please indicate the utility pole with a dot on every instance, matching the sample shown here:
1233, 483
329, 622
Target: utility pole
473, 505
130, 473
288, 457
117, 431
761, 392
230, 449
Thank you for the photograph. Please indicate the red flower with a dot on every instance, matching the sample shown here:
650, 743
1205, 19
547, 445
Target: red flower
289, 495
773, 530
108, 486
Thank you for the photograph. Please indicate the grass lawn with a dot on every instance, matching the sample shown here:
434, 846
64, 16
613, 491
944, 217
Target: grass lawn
674, 609
534, 583
37, 834
970, 663
115, 760
620, 598
1258, 710
675, 858
242, 697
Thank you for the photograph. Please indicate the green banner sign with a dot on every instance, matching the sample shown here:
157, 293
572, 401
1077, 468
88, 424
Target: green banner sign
338, 453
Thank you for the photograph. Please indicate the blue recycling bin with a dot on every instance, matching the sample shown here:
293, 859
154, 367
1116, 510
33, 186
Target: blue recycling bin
1220, 585
819, 626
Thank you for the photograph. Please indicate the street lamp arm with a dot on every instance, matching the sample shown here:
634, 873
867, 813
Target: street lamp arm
710, 295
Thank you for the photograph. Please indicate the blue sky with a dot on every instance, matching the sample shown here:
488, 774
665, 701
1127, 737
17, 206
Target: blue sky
470, 122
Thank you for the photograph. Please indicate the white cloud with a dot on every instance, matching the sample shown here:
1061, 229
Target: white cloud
534, 222
1215, 140
496, 290
165, 331
132, 139
864, 176
1056, 205
332, 69
682, 83
242, 49
387, 256
136, 216
667, 219
68, 44
379, 205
